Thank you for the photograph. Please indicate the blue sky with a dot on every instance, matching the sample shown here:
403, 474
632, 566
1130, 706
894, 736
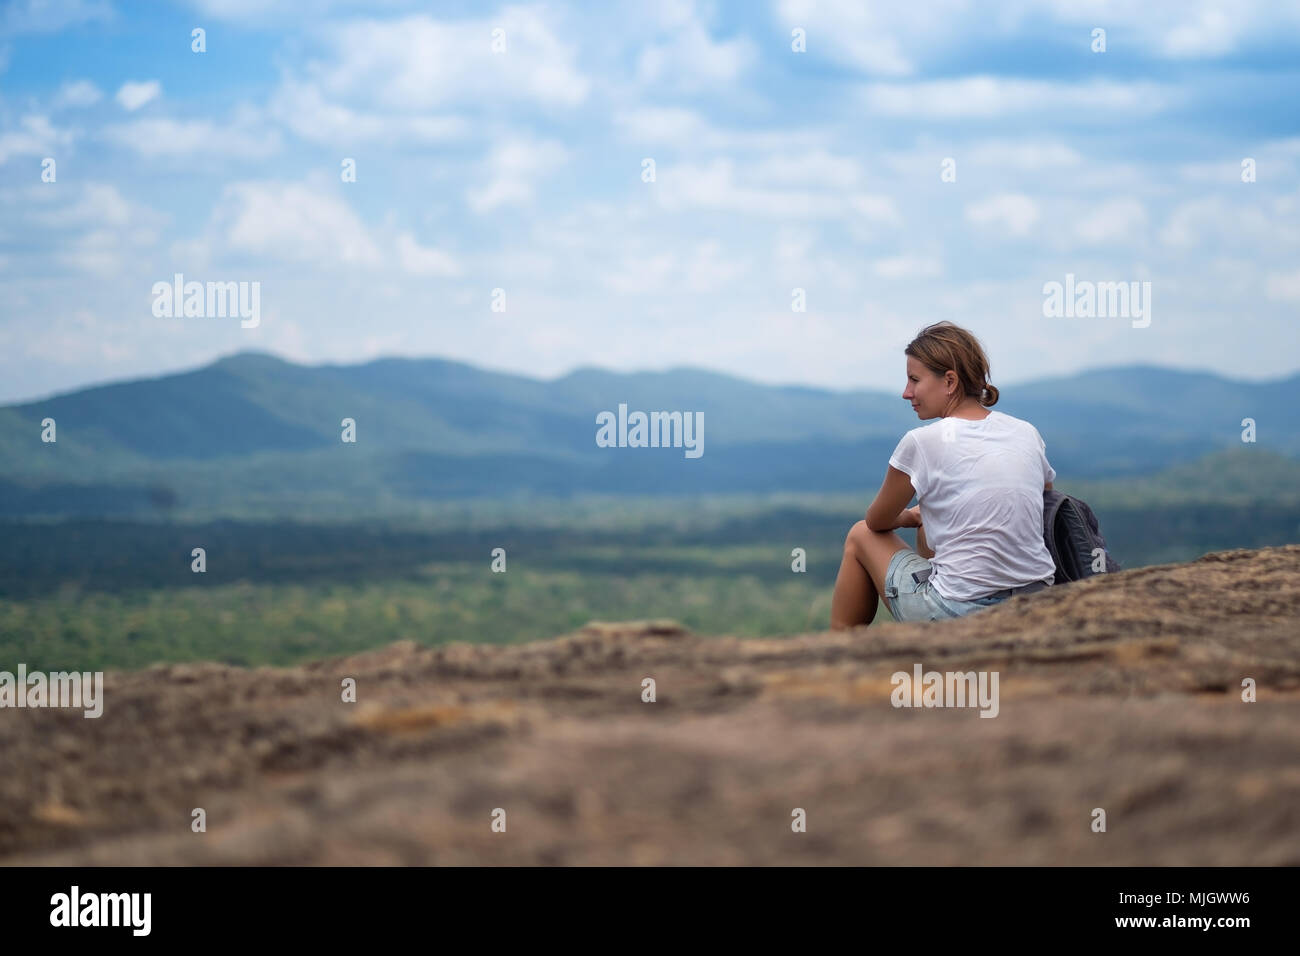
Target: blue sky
522, 170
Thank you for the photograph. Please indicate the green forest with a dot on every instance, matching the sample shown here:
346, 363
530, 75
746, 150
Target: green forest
98, 594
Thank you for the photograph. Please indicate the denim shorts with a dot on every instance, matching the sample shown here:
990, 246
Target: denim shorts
909, 601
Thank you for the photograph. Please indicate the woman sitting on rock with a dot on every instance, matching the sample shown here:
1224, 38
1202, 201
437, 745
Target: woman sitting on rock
979, 477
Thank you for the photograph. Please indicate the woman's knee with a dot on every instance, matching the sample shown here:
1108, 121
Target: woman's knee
857, 537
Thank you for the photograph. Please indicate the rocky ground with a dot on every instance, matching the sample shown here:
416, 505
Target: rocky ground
1121, 692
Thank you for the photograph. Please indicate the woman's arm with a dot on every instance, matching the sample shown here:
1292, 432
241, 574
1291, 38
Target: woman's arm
912, 518
922, 548
890, 503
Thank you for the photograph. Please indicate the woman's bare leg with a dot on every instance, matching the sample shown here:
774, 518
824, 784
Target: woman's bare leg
855, 598
867, 555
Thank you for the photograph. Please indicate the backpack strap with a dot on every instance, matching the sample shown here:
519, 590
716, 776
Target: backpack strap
1052, 501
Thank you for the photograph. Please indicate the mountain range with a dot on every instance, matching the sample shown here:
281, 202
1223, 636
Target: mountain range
253, 433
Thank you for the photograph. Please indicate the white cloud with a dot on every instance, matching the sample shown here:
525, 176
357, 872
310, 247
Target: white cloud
419, 63
1215, 220
715, 186
670, 14
294, 222
1027, 155
88, 226
899, 39
999, 162
1184, 29
94, 204
1275, 160
80, 93
680, 128
80, 337
817, 168
131, 96
305, 110
422, 260
525, 262
514, 167
306, 222
99, 252
1220, 172
1011, 213
691, 60
797, 262
661, 125
286, 337
1206, 32
752, 199
641, 274
793, 245
1115, 221
1284, 287
1187, 222
991, 96
50, 16
648, 269
243, 137
907, 267
35, 136
877, 209
404, 80
882, 39
265, 12
709, 270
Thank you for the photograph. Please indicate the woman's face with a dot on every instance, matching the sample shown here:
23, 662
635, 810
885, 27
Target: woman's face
926, 391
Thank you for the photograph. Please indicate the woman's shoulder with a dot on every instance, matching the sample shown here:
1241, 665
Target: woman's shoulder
1009, 420
1019, 427
941, 428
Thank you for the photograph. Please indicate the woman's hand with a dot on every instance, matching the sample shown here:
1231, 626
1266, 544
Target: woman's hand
910, 517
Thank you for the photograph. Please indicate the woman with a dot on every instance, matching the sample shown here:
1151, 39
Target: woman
979, 476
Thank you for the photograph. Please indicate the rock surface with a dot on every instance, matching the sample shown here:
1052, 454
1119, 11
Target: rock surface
1122, 692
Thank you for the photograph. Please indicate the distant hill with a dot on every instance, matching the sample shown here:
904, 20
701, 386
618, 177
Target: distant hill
255, 433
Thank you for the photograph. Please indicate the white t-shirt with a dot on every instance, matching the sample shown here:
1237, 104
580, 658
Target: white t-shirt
980, 487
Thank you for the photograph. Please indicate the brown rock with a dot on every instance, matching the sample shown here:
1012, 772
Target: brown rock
1121, 692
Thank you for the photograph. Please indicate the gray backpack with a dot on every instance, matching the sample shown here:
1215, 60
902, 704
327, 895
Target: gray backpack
1072, 535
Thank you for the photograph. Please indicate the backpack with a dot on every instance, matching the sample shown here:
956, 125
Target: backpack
1071, 534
